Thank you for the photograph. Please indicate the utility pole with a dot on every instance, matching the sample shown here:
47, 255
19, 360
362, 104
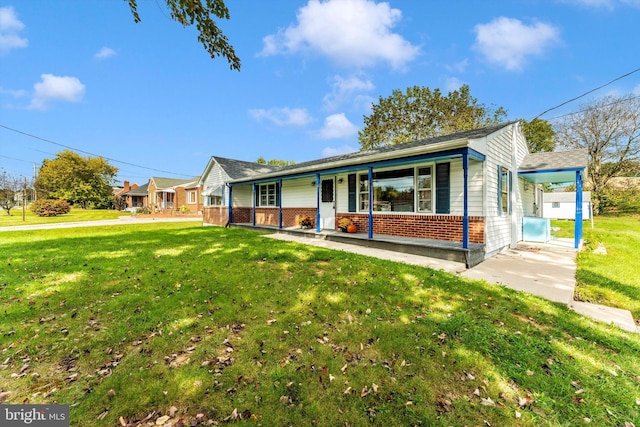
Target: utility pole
35, 175
24, 199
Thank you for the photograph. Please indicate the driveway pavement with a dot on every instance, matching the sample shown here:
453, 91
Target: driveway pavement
121, 220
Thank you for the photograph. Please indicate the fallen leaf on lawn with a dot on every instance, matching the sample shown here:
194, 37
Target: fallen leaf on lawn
586, 420
102, 415
476, 392
529, 372
487, 402
443, 405
331, 378
525, 401
579, 391
364, 391
5, 395
347, 391
518, 415
271, 321
123, 422
374, 386
160, 421
637, 401
629, 424
172, 411
344, 368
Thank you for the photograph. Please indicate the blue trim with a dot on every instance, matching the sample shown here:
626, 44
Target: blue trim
370, 183
279, 201
550, 171
465, 217
230, 206
578, 222
254, 193
318, 228
473, 154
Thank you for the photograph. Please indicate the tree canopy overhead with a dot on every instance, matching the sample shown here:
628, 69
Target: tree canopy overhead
539, 134
82, 181
420, 113
609, 128
201, 13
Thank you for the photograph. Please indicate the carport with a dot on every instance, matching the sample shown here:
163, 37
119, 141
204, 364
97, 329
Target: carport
567, 167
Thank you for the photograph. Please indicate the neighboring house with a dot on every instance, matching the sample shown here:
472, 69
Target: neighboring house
170, 195
562, 205
136, 198
468, 191
215, 191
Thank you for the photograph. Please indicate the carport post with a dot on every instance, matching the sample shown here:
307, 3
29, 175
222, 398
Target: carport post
230, 206
253, 196
279, 201
578, 223
318, 228
370, 178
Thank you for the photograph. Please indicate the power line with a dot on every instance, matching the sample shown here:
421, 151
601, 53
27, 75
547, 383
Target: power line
619, 101
587, 93
91, 154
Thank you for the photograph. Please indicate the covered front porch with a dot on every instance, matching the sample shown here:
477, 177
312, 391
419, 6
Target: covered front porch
439, 249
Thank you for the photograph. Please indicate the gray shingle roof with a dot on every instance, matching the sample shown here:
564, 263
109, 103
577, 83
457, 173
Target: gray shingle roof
240, 169
162, 183
138, 191
574, 159
398, 148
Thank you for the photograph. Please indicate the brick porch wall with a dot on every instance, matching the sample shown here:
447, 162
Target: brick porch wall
216, 215
270, 216
438, 227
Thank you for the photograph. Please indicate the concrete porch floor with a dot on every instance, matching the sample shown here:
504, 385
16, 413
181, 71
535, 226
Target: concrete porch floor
544, 270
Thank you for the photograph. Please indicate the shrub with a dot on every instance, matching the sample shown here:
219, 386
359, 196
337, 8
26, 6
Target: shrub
306, 222
142, 211
48, 207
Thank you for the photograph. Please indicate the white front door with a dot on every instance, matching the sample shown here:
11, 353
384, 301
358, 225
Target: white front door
327, 204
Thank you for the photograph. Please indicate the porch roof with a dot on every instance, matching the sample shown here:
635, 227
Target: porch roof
555, 167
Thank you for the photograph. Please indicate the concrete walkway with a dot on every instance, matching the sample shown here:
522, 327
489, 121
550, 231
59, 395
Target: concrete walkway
122, 220
547, 271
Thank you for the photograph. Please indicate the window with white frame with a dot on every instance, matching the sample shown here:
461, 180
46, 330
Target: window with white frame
504, 189
267, 195
398, 190
191, 197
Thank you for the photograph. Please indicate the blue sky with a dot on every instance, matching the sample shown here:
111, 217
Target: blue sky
84, 75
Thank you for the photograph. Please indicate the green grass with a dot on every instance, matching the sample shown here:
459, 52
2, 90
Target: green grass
75, 215
212, 320
613, 278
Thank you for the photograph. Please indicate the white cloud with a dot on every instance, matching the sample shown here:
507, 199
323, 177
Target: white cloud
352, 33
10, 26
283, 116
609, 4
56, 88
636, 90
337, 151
105, 52
13, 93
452, 83
337, 126
458, 67
510, 43
345, 90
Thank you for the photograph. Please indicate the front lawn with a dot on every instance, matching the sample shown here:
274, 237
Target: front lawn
211, 324
75, 215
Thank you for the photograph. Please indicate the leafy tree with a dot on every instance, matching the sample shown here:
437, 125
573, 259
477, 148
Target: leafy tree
539, 134
202, 13
275, 162
9, 186
82, 181
422, 113
609, 128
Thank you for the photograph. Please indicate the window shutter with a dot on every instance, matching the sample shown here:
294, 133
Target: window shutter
353, 192
499, 190
442, 188
256, 190
278, 194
